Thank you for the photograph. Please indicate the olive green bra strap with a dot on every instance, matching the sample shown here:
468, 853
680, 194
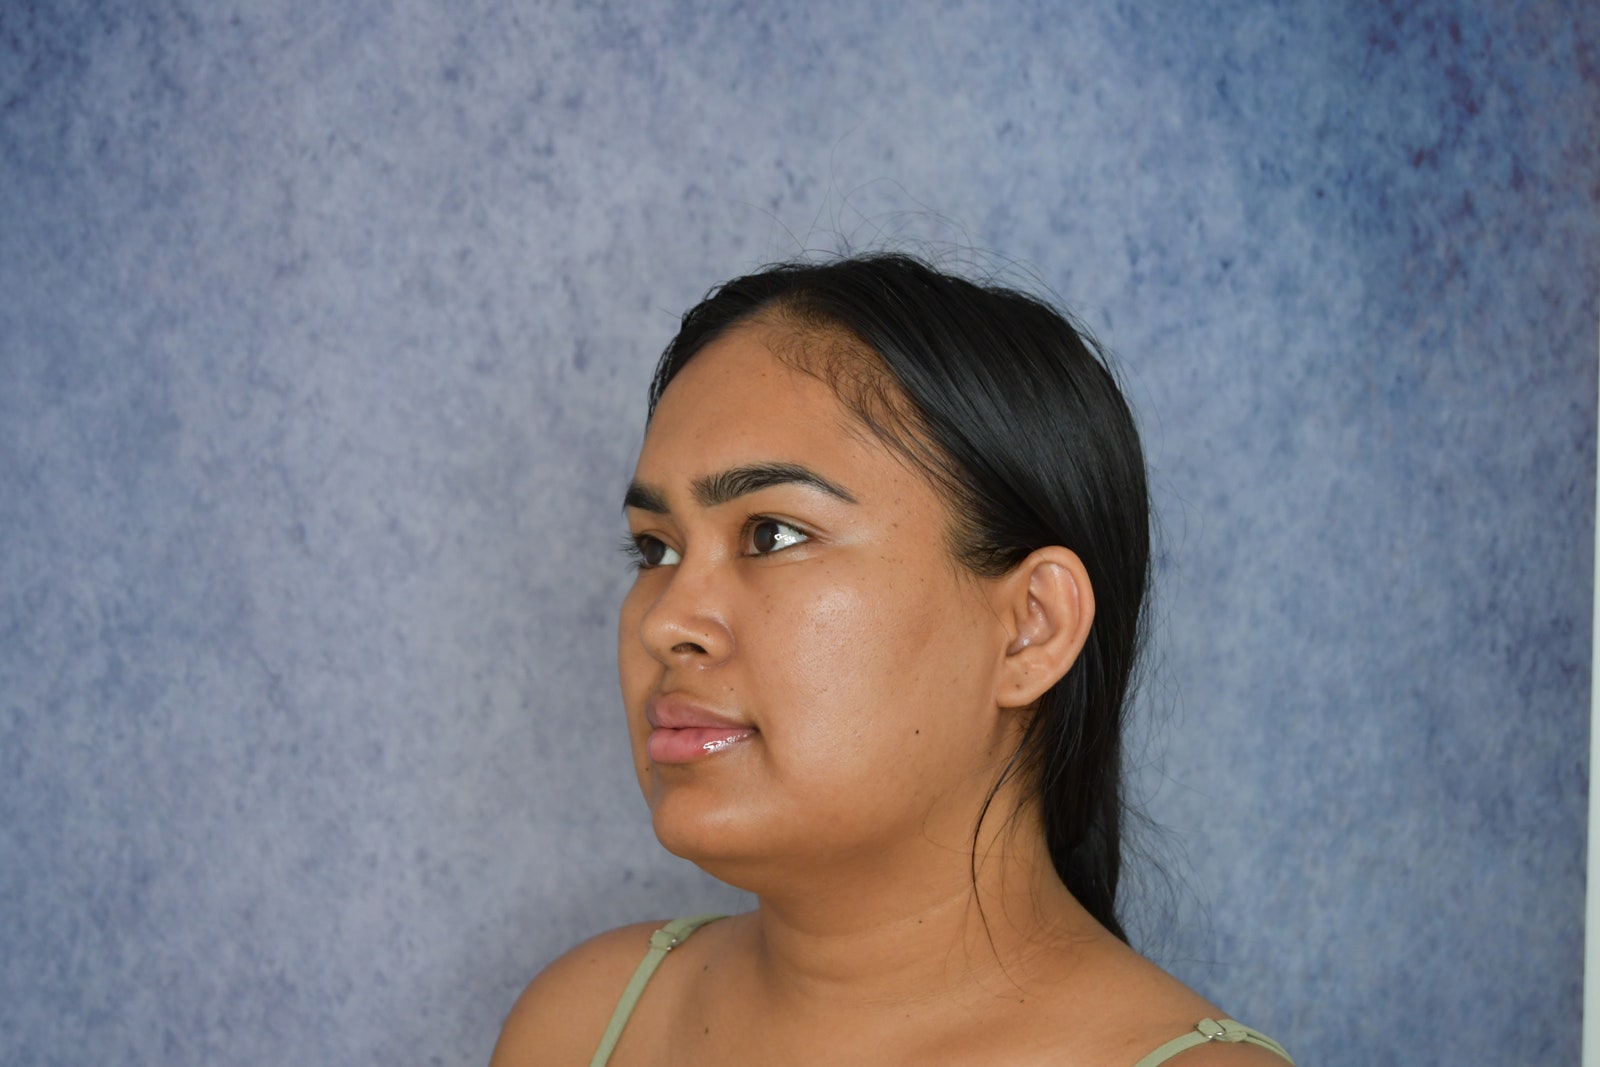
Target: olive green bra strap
662, 942
671, 935
1205, 1030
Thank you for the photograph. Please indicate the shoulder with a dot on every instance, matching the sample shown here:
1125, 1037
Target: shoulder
1151, 1008
561, 1015
1220, 1054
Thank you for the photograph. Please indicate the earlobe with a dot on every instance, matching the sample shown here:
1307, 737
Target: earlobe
1050, 607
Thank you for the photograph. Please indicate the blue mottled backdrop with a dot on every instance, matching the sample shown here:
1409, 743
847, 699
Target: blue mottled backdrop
324, 335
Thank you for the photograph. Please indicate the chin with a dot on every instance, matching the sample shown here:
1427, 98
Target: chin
726, 840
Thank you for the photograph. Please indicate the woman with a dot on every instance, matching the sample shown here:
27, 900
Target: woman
891, 530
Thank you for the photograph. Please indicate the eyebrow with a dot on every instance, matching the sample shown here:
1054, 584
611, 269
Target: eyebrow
724, 486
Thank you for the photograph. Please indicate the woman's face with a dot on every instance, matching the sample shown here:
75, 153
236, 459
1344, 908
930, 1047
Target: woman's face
808, 675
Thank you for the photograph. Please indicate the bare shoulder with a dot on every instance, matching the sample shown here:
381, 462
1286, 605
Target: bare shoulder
1220, 1054
560, 1017
1149, 1007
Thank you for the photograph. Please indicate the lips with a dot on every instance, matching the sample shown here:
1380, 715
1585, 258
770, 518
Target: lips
683, 732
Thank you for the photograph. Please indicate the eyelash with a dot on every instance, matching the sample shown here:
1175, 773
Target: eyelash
628, 545
632, 545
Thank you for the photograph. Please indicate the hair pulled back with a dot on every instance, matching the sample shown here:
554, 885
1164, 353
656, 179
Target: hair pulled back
1012, 412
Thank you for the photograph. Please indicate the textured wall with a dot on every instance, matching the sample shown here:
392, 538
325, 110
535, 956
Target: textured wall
324, 332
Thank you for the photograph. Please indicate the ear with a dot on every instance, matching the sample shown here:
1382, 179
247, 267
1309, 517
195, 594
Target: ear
1047, 606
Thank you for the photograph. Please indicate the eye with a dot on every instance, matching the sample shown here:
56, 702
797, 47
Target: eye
770, 535
650, 552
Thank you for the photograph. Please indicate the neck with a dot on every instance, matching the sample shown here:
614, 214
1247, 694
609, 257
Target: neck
898, 929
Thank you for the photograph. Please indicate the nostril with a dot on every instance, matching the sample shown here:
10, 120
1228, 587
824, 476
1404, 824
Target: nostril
689, 647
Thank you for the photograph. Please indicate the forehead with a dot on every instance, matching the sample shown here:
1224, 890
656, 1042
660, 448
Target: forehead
739, 401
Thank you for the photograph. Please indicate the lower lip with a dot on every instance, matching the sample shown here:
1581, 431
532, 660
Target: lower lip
693, 743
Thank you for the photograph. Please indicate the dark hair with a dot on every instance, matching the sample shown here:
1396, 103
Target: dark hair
1013, 413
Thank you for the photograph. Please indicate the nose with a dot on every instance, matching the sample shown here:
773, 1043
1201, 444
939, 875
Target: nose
687, 624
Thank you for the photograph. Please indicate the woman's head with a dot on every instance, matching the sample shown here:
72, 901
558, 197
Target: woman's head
1005, 410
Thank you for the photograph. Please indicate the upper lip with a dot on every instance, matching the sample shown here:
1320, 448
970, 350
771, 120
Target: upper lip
673, 712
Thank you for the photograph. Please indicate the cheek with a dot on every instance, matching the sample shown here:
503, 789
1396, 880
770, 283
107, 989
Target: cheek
628, 649
636, 668
870, 676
